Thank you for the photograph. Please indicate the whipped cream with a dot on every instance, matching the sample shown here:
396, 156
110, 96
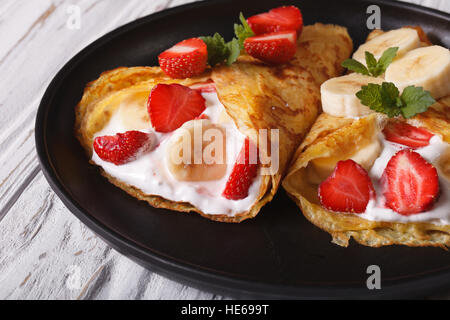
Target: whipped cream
151, 175
439, 213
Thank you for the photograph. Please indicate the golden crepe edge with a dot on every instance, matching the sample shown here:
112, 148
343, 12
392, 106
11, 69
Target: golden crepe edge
254, 94
332, 135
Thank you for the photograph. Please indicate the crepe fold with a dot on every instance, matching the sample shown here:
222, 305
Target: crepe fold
337, 138
255, 95
334, 137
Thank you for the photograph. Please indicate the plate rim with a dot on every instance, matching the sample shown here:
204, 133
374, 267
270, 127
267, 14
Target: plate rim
182, 271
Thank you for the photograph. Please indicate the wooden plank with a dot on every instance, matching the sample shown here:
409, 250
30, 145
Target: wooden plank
46, 253
43, 45
443, 5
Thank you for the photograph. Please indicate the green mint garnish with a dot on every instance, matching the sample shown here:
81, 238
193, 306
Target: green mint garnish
242, 31
386, 98
228, 52
374, 68
218, 50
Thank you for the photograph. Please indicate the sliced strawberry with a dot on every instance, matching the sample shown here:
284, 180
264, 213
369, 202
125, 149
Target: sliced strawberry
278, 19
410, 184
242, 175
277, 47
123, 147
204, 87
171, 105
202, 117
185, 59
347, 189
406, 134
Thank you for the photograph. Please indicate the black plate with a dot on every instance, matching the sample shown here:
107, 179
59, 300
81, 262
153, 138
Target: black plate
276, 255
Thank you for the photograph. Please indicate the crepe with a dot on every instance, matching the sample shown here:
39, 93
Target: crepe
255, 95
335, 137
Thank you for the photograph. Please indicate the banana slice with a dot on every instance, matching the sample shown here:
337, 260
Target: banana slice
405, 39
338, 95
427, 67
321, 168
224, 117
197, 152
133, 111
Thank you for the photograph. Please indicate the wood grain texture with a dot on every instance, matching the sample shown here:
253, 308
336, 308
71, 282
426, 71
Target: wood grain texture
45, 252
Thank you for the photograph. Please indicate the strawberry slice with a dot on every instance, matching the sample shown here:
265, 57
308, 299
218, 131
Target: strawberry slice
242, 175
406, 134
278, 19
203, 87
277, 47
347, 189
171, 105
410, 184
123, 147
185, 59
202, 117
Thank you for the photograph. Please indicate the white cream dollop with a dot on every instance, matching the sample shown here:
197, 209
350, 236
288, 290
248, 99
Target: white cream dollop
151, 175
439, 213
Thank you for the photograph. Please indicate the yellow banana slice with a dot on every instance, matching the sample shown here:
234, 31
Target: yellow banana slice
405, 39
321, 168
427, 67
197, 152
338, 95
133, 111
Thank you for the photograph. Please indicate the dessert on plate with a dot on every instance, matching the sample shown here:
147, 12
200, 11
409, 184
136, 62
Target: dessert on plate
375, 165
213, 129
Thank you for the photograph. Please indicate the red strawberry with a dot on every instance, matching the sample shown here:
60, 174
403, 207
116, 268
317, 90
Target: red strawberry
278, 47
171, 105
204, 87
122, 147
406, 134
347, 189
410, 184
278, 19
185, 59
202, 117
242, 175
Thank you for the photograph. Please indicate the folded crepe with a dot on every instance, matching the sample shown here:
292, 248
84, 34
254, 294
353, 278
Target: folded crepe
335, 138
255, 95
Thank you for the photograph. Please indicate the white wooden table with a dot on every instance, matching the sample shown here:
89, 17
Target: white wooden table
45, 252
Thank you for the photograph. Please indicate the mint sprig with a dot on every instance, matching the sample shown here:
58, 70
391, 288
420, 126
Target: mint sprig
416, 101
218, 49
228, 52
386, 98
355, 66
374, 68
242, 31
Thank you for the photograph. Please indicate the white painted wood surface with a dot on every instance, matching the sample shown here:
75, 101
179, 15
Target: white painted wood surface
45, 252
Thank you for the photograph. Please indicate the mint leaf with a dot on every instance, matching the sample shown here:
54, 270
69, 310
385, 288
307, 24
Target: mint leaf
386, 98
390, 99
385, 60
371, 62
218, 50
228, 52
374, 68
380, 98
370, 96
415, 100
242, 31
234, 51
356, 66
389, 93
